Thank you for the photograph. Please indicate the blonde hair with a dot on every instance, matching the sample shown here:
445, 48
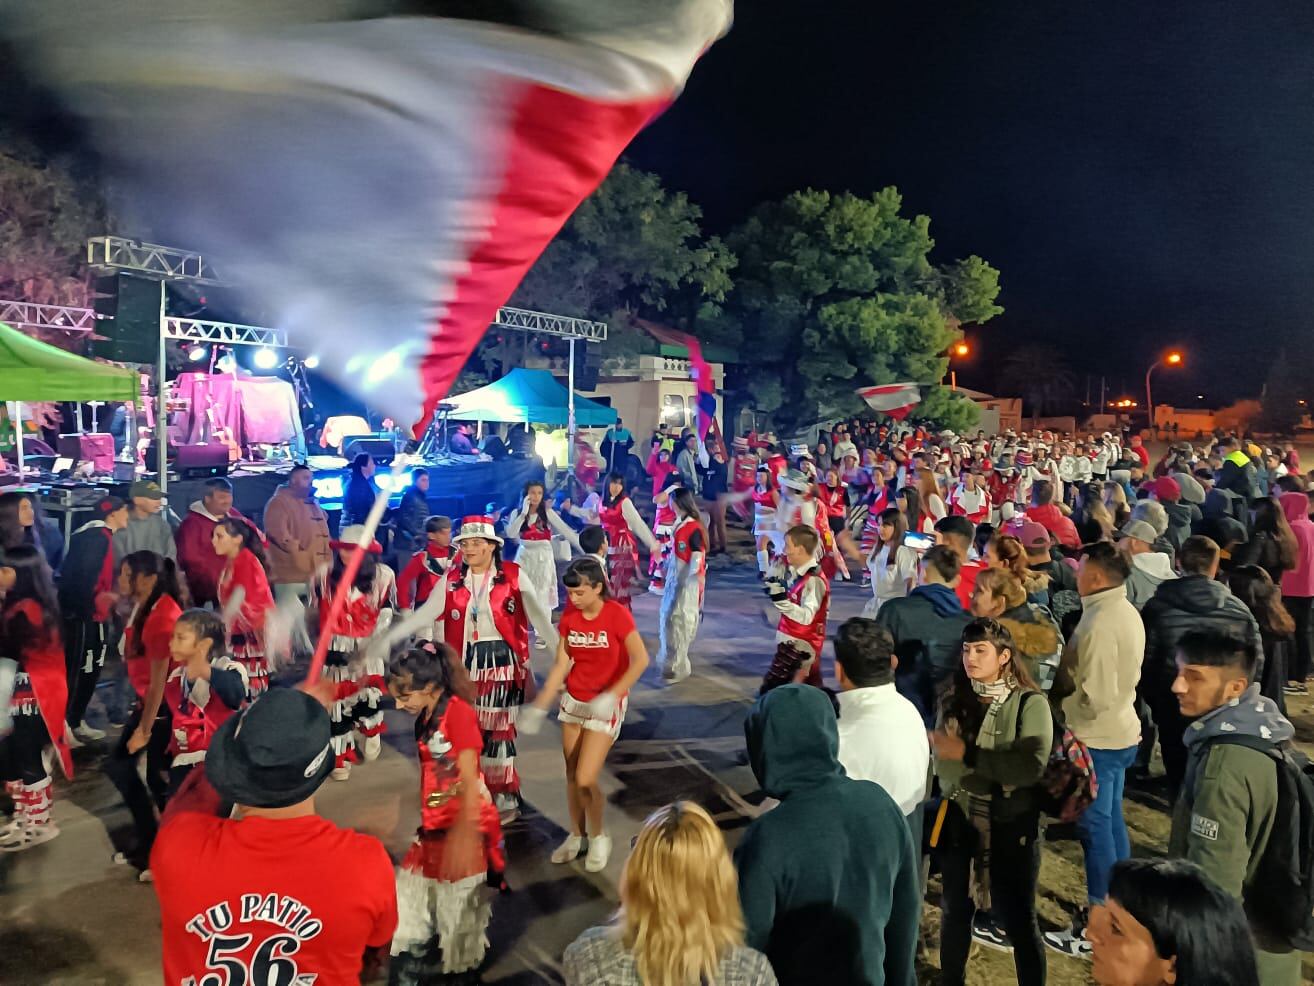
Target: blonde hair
1002, 583
679, 855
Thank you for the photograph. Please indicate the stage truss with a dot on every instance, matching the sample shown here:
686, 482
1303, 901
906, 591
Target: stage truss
167, 263
26, 315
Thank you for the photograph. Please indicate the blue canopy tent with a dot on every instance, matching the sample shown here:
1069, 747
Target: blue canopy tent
531, 397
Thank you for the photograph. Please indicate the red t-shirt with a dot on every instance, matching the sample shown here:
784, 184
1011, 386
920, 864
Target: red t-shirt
597, 647
262, 900
155, 636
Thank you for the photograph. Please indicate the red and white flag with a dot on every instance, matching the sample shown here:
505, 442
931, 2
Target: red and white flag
894, 400
377, 188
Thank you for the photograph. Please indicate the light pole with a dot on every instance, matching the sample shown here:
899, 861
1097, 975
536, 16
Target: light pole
1173, 358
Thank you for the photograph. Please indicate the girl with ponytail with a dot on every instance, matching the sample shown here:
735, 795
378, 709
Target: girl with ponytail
155, 588
244, 597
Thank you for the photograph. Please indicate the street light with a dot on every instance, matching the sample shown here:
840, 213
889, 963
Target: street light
1172, 358
962, 350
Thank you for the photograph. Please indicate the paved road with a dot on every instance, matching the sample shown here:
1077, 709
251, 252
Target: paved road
68, 915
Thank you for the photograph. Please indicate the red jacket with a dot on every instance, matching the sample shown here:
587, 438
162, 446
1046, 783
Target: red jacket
509, 616
1060, 528
422, 573
196, 556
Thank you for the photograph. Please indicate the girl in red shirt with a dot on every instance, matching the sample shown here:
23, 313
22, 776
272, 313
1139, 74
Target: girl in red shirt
599, 658
444, 901
29, 623
245, 569
151, 582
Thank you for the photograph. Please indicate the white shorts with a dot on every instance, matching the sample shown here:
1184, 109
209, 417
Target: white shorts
577, 713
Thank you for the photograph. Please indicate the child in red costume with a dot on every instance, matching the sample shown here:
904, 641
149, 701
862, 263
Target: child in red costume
204, 688
356, 673
802, 595
244, 598
30, 626
444, 900
427, 568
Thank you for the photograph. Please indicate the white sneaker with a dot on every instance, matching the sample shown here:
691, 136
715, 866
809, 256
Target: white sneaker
598, 854
29, 836
341, 773
569, 850
88, 734
73, 742
373, 747
145, 876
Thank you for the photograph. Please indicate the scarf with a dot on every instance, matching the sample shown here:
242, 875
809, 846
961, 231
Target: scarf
977, 807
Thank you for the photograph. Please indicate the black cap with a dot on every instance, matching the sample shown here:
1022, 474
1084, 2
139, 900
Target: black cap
107, 505
274, 753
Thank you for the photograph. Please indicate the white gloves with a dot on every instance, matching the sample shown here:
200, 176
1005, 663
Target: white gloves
530, 720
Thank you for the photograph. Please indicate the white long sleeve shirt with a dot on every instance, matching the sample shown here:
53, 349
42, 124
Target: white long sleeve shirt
882, 739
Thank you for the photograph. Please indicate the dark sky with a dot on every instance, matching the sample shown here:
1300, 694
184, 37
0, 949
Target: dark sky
1142, 173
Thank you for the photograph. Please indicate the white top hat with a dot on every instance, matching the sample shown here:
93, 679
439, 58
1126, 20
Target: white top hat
478, 527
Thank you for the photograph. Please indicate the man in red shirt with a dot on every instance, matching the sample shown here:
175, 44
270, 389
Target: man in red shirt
275, 894
196, 554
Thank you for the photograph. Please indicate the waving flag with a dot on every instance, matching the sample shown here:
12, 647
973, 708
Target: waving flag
894, 400
700, 372
376, 187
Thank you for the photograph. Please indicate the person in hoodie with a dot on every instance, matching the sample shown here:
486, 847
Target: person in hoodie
927, 626
1224, 813
1045, 512
1194, 601
1298, 587
196, 556
1096, 686
150, 524
298, 533
86, 600
1149, 568
1238, 475
828, 879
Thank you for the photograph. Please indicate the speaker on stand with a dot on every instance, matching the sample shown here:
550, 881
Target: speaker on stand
130, 310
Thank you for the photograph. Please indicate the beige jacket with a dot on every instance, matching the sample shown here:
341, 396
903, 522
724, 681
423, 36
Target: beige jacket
298, 535
1100, 668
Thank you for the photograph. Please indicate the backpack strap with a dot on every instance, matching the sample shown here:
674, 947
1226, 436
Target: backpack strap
1250, 743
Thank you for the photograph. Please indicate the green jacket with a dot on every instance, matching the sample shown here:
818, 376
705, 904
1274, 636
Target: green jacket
1005, 760
1224, 813
828, 879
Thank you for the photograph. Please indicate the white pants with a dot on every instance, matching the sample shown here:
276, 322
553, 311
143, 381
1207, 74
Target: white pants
678, 625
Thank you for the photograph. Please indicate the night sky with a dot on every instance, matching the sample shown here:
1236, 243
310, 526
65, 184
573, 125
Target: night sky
1142, 173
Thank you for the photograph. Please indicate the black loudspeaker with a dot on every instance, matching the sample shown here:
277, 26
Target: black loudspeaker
379, 449
192, 461
130, 310
587, 366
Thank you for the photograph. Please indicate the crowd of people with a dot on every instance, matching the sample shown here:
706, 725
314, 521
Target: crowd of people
1045, 612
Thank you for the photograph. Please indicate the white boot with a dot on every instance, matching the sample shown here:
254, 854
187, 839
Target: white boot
598, 854
569, 850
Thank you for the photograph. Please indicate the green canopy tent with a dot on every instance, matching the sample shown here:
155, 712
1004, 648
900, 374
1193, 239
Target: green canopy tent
31, 370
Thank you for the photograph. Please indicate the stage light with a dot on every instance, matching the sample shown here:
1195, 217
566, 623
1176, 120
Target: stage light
197, 353
311, 362
226, 363
265, 358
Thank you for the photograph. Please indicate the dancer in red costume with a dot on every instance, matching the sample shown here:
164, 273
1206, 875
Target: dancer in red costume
802, 595
245, 598
30, 624
487, 611
355, 671
625, 528
444, 901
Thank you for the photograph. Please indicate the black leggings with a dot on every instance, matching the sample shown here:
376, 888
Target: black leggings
84, 657
21, 751
1299, 608
142, 799
1014, 868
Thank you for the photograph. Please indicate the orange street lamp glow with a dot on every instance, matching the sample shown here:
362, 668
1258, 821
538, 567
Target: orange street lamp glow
962, 349
1174, 359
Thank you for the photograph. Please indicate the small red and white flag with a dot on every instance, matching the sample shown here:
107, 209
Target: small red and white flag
894, 400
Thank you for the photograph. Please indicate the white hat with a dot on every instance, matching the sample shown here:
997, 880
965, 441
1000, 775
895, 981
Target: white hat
793, 479
478, 527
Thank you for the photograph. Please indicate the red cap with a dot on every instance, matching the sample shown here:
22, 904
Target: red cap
1167, 489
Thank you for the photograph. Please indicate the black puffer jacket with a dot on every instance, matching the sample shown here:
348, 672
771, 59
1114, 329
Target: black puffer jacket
1193, 602
1182, 518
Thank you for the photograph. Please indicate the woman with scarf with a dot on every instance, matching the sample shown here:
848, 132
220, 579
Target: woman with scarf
991, 745
244, 598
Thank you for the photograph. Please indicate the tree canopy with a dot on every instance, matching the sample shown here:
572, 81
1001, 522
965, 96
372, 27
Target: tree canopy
838, 291
1041, 375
